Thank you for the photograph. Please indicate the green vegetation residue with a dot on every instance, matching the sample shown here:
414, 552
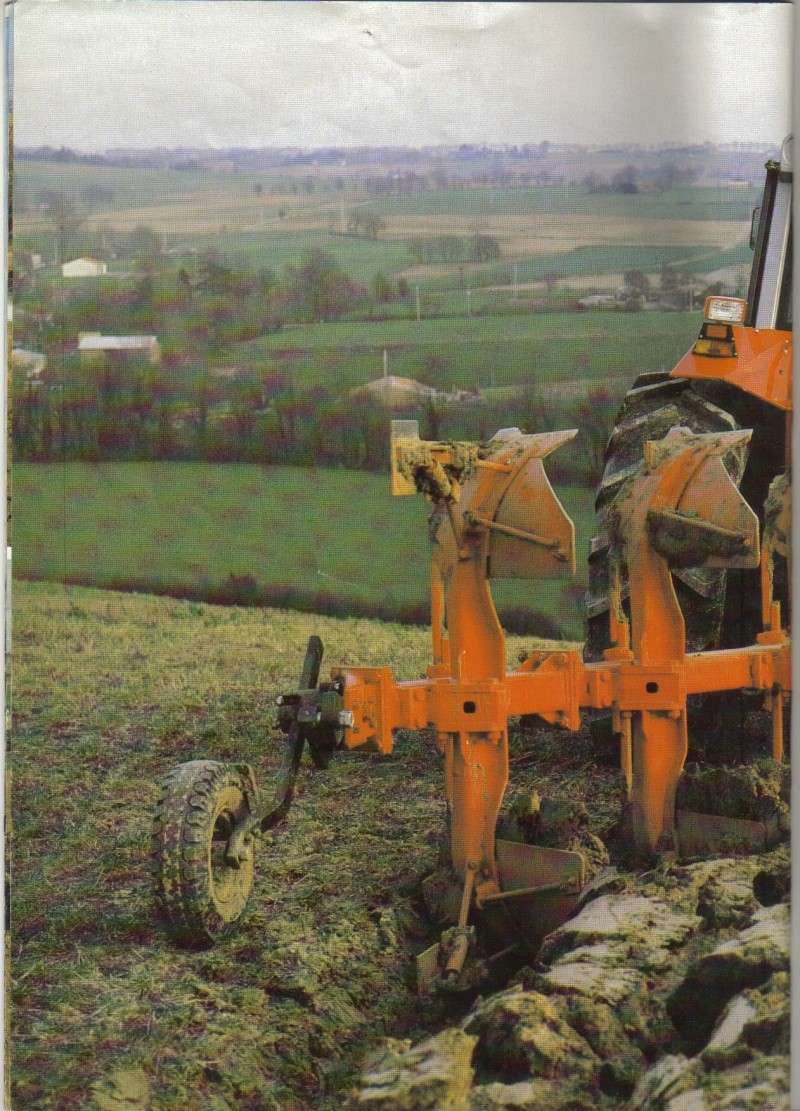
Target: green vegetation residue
110, 691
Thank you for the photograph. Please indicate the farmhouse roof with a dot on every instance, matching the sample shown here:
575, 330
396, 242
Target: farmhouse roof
597, 299
96, 342
395, 382
23, 355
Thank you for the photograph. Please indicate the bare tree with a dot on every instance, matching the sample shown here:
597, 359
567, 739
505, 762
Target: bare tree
65, 221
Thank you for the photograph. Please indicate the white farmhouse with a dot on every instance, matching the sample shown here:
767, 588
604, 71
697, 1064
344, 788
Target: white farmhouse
83, 268
93, 347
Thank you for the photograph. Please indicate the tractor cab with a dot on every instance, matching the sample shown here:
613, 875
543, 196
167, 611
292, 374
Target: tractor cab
769, 298
748, 343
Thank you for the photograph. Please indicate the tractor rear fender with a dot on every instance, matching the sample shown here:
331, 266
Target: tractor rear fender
762, 366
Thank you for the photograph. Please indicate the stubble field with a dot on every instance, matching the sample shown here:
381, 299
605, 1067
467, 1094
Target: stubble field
112, 690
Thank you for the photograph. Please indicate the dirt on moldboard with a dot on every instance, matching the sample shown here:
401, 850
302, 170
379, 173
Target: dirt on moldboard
758, 791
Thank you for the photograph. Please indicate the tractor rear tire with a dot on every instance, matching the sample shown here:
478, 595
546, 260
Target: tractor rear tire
655, 404
199, 895
721, 610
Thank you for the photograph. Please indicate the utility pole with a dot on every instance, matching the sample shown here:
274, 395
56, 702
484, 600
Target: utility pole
514, 280
385, 363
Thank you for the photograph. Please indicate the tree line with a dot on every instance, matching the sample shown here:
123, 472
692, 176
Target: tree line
126, 413
454, 248
628, 179
677, 288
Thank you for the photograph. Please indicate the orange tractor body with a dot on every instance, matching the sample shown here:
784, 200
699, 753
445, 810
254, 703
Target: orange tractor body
761, 365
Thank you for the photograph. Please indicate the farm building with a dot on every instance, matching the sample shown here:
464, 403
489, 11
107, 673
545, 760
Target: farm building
467, 397
83, 268
93, 347
28, 260
597, 301
400, 393
395, 392
31, 363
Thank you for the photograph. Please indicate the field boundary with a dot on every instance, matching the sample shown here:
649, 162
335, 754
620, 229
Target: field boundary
244, 590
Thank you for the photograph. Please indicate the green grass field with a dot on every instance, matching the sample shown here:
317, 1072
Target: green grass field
315, 539
362, 259
599, 261
132, 186
542, 347
682, 203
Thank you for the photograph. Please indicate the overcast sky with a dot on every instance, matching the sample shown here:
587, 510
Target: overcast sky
93, 74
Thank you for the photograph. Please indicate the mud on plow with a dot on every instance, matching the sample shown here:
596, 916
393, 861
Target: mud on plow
495, 515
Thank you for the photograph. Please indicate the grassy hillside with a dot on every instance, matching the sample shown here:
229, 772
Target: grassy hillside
110, 691
316, 539
480, 320
682, 202
490, 350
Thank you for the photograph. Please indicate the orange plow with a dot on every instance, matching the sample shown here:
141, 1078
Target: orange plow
504, 519
495, 515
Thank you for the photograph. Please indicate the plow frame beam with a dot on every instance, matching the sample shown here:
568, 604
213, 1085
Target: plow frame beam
468, 695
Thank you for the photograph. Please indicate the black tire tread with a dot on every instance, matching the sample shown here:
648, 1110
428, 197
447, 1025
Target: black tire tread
181, 822
656, 403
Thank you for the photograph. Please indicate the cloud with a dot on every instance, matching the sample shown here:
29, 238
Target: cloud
99, 73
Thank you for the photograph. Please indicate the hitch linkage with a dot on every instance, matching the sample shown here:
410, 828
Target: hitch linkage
312, 715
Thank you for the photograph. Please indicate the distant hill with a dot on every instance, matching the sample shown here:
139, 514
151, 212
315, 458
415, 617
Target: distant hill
727, 161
